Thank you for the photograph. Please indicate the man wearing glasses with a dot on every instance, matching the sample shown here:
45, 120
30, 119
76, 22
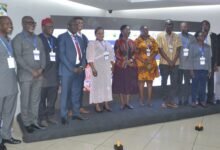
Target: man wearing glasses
31, 61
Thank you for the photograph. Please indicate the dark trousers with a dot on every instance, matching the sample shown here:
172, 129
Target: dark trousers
47, 103
199, 85
168, 92
210, 94
184, 88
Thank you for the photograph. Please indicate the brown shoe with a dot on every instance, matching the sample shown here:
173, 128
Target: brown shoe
84, 111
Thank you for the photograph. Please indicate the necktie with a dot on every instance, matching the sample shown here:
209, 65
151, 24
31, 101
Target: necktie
78, 48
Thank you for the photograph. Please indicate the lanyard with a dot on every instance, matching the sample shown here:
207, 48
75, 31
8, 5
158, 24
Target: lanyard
34, 41
202, 50
50, 43
8, 47
103, 45
185, 41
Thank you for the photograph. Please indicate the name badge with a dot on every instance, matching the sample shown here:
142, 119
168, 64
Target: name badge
185, 52
11, 62
106, 55
148, 52
202, 60
36, 53
52, 56
170, 48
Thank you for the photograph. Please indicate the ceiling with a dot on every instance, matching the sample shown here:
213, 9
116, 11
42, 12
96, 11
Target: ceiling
126, 4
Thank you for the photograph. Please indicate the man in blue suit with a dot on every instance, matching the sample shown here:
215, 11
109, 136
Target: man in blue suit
72, 55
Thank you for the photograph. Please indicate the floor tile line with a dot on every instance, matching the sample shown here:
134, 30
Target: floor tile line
194, 143
153, 136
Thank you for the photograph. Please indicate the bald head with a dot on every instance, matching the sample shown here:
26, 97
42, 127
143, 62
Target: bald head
184, 27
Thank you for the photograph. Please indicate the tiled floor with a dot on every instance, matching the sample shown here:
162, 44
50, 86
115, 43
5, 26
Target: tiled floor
177, 135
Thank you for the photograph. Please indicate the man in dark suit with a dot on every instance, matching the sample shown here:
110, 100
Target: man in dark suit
211, 39
8, 86
72, 62
50, 74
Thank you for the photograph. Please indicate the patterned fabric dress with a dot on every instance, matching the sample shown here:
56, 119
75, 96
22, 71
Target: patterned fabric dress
124, 76
146, 48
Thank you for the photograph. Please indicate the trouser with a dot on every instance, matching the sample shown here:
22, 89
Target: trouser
210, 94
71, 91
199, 85
7, 111
168, 93
47, 103
69, 103
217, 84
184, 88
30, 99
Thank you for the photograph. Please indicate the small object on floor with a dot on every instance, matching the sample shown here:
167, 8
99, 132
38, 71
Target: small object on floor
2, 146
199, 127
118, 146
11, 141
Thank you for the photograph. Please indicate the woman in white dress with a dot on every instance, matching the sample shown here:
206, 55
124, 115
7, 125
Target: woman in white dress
100, 56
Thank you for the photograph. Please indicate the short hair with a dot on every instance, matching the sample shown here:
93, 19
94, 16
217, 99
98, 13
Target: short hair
98, 28
197, 33
3, 18
206, 21
121, 29
25, 17
73, 19
168, 21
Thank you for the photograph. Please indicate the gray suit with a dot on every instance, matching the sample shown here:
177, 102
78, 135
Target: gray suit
23, 45
8, 93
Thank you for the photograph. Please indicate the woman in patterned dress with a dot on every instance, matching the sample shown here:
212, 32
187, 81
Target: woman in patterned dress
147, 48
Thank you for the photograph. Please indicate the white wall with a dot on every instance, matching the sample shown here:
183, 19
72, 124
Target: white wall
196, 13
40, 9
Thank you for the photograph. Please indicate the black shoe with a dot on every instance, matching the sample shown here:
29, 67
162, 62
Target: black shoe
64, 121
79, 118
29, 129
11, 141
107, 109
37, 126
129, 106
203, 104
2, 146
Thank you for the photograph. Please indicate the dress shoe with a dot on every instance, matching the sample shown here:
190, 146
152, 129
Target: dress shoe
107, 109
37, 126
129, 106
64, 121
203, 104
79, 118
11, 141
2, 146
194, 105
29, 129
44, 123
84, 111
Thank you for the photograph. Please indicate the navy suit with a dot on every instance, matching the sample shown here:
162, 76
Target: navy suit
71, 82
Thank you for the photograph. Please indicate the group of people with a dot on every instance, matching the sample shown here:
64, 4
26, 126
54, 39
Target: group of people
45, 62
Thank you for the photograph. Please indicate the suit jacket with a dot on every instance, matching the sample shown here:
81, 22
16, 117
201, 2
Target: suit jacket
67, 54
50, 73
8, 79
23, 50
